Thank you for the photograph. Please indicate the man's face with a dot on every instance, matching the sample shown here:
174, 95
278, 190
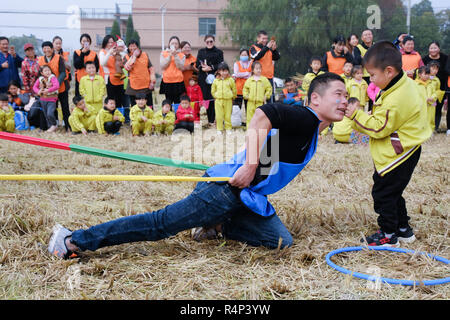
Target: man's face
367, 36
48, 51
332, 103
409, 46
4, 45
290, 86
263, 39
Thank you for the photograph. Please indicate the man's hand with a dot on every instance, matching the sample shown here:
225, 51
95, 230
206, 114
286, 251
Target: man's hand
243, 176
5, 65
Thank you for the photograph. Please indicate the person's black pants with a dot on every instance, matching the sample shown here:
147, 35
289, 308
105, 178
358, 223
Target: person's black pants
112, 127
367, 79
63, 99
189, 126
439, 113
36, 116
387, 195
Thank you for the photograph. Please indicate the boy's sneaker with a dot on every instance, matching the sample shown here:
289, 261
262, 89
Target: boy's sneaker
379, 239
406, 236
57, 244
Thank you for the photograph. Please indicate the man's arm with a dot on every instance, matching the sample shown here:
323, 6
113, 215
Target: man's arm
260, 127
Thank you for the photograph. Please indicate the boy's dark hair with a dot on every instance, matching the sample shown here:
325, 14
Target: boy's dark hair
322, 82
85, 35
287, 80
107, 99
141, 95
77, 99
407, 38
47, 44
351, 62
434, 64
167, 101
353, 100
356, 68
383, 54
315, 58
423, 69
14, 83
89, 62
3, 96
261, 32
185, 98
339, 39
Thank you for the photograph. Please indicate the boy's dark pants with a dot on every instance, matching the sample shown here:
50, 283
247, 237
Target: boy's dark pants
112, 126
387, 195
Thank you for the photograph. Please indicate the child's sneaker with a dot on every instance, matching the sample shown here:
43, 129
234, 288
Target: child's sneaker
406, 236
57, 244
379, 239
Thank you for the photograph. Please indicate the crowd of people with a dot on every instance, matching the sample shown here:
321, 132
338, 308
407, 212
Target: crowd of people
116, 85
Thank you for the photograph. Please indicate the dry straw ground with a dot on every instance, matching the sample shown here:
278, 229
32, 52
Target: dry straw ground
326, 207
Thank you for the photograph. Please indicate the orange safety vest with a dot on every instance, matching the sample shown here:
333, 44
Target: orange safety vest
410, 61
111, 65
240, 82
54, 66
268, 69
139, 75
188, 73
172, 74
80, 73
335, 65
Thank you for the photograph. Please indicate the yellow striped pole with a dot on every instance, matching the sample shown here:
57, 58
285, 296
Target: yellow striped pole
73, 177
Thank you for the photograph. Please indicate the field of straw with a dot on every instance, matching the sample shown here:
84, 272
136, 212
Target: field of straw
328, 206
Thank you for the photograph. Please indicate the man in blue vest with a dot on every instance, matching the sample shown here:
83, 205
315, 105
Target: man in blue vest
280, 142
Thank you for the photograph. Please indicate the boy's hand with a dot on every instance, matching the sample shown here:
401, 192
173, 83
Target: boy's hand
116, 118
430, 100
144, 119
83, 131
351, 108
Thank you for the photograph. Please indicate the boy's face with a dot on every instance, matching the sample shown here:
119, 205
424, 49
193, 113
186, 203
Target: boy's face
316, 65
141, 102
358, 75
290, 86
81, 104
348, 69
409, 46
332, 104
91, 70
380, 77
185, 104
3, 104
111, 105
166, 108
434, 70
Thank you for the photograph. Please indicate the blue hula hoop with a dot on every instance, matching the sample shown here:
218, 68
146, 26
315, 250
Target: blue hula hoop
387, 280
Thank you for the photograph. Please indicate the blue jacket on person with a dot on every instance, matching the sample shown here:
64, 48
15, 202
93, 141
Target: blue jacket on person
12, 72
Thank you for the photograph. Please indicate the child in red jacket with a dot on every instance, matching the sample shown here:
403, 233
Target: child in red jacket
185, 115
194, 92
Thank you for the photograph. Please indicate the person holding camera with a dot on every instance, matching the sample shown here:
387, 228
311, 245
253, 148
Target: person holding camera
172, 63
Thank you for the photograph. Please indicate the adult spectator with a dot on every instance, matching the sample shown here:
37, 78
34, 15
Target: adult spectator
208, 59
63, 96
411, 59
435, 54
242, 71
10, 63
334, 60
353, 50
266, 53
80, 57
399, 41
172, 63
141, 74
30, 68
189, 63
366, 43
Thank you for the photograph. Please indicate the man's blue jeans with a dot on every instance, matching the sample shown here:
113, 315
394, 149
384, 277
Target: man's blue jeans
208, 205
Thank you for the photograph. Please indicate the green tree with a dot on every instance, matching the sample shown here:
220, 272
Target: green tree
19, 42
130, 29
444, 25
115, 30
136, 36
424, 26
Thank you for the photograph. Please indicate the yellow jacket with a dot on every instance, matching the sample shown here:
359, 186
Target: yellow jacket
358, 90
257, 90
6, 116
93, 91
397, 127
158, 118
342, 130
309, 77
136, 113
346, 79
224, 89
78, 116
106, 116
436, 85
426, 91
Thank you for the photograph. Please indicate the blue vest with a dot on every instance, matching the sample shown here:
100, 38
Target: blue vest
281, 173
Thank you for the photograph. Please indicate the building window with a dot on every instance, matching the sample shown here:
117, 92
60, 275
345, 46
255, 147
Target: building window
108, 30
207, 26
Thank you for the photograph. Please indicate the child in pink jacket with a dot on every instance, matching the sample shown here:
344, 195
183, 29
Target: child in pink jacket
46, 87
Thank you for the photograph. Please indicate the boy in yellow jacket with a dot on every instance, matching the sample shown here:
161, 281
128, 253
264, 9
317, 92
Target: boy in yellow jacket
427, 92
347, 75
92, 87
257, 90
6, 115
223, 91
82, 118
357, 86
315, 65
109, 119
397, 127
164, 119
141, 116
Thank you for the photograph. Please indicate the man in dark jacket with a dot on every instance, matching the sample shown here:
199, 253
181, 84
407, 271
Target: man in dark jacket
10, 63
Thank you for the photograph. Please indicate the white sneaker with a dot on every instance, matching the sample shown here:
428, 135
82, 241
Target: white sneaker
219, 133
448, 133
229, 132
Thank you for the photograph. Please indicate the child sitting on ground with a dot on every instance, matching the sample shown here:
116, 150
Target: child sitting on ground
109, 120
291, 94
141, 116
185, 115
92, 87
397, 128
47, 87
82, 118
164, 119
6, 115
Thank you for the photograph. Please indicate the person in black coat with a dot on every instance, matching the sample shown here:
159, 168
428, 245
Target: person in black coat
208, 59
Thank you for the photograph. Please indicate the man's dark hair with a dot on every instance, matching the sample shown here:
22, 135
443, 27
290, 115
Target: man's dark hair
383, 54
262, 32
77, 99
3, 96
287, 80
4, 38
407, 38
47, 44
89, 62
322, 82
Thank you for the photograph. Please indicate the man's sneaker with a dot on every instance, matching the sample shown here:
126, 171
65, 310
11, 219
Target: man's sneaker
379, 239
406, 236
199, 234
57, 244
